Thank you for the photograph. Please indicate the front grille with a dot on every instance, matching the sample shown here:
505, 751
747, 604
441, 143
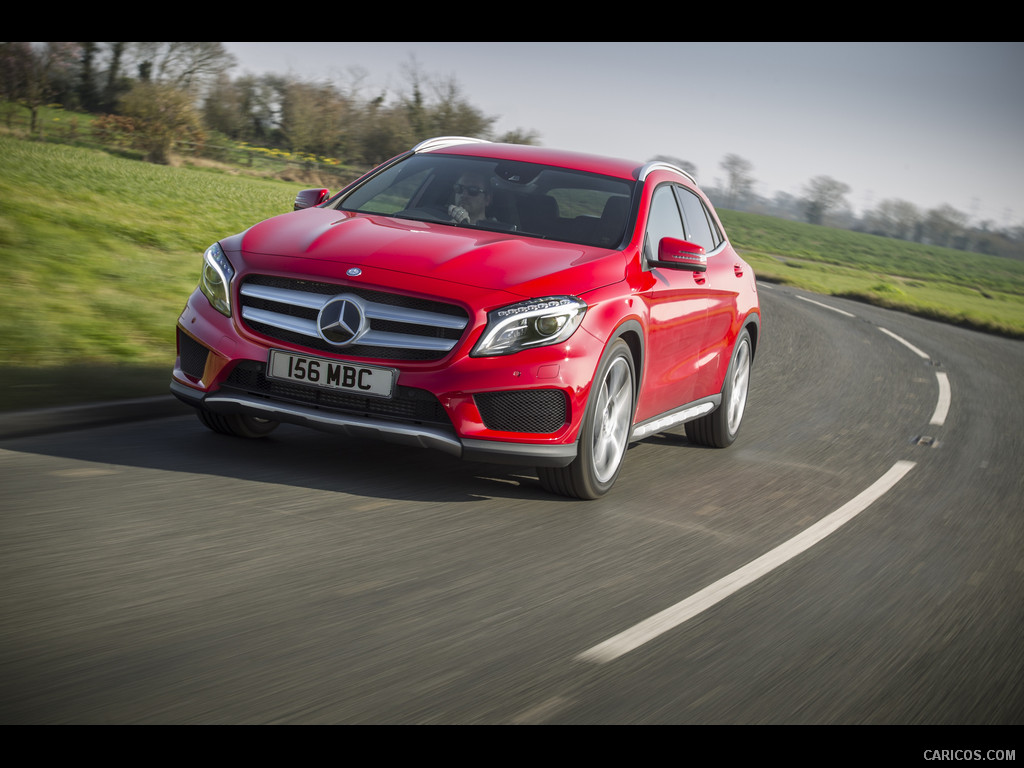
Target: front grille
408, 405
529, 410
399, 327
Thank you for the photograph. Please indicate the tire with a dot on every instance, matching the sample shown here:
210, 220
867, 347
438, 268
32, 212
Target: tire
236, 424
720, 427
605, 432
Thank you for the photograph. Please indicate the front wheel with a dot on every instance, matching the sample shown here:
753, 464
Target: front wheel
604, 434
720, 427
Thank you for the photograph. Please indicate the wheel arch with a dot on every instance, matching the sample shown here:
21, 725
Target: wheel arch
752, 324
632, 333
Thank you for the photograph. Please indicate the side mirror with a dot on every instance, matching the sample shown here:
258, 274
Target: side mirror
310, 198
681, 254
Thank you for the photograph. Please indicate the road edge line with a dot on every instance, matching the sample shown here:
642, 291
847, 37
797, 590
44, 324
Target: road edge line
683, 611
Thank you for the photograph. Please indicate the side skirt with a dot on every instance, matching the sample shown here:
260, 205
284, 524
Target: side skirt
675, 417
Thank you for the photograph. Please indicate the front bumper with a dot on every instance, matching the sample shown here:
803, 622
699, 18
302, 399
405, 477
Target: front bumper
521, 409
355, 426
351, 425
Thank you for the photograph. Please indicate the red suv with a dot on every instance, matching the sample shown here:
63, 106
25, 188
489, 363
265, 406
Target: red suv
502, 303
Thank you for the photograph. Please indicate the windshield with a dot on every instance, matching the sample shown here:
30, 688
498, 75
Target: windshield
533, 200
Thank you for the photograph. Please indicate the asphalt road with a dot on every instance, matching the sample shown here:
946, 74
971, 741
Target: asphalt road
855, 558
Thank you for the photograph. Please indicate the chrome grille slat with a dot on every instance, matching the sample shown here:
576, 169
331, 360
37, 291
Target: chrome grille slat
405, 341
402, 315
284, 322
285, 296
401, 332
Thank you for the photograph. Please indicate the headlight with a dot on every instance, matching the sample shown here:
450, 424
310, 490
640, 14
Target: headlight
215, 280
533, 323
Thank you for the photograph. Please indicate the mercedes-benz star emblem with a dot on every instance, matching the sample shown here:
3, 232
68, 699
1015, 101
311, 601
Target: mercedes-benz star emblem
342, 320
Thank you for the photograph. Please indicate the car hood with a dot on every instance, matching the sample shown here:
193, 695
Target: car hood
490, 260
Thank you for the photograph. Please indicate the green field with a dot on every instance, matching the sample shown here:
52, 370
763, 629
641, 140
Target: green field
97, 256
98, 253
985, 293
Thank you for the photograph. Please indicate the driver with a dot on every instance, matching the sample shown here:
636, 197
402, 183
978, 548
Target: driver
472, 196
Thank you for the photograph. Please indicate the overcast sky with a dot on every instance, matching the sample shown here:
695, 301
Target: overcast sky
930, 123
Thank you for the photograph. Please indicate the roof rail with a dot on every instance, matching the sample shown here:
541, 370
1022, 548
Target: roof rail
660, 166
443, 142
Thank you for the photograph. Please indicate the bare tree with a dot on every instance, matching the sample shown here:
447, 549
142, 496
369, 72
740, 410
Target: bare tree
88, 95
222, 108
248, 109
449, 113
261, 99
823, 194
187, 66
32, 74
945, 226
452, 114
739, 181
116, 84
894, 218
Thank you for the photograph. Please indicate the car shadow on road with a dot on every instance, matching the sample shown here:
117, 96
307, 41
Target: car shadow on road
296, 457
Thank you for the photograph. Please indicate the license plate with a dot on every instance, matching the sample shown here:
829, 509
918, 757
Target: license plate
331, 374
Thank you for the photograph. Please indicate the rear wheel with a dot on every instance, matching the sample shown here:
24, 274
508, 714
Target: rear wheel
236, 424
720, 427
604, 434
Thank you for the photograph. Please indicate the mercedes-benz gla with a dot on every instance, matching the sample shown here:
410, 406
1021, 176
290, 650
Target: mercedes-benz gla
502, 303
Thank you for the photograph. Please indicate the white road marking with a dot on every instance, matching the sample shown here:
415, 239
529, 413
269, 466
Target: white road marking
905, 343
826, 306
942, 407
685, 610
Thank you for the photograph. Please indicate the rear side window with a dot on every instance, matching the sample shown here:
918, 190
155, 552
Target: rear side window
700, 226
